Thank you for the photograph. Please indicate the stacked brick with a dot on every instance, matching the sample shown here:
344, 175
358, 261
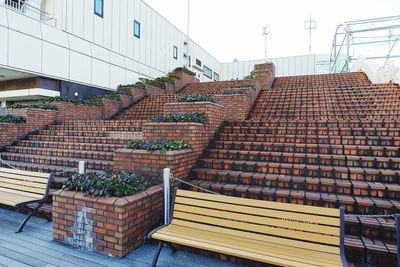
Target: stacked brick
115, 226
151, 164
322, 140
36, 119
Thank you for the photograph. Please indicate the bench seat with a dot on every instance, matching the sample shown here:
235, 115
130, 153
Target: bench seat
268, 232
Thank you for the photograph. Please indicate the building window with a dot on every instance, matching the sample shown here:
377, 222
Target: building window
16, 4
216, 77
99, 7
207, 72
198, 62
136, 29
175, 52
190, 61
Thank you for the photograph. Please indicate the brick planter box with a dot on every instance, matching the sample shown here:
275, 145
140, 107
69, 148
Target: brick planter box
182, 79
137, 93
153, 90
237, 106
36, 119
115, 226
150, 164
71, 112
126, 100
110, 107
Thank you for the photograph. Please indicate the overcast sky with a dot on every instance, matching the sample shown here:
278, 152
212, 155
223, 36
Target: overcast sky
230, 29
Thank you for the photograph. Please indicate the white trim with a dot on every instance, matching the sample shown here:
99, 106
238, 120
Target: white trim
32, 93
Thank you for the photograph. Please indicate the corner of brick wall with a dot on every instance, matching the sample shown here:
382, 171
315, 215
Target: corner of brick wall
115, 226
36, 119
71, 112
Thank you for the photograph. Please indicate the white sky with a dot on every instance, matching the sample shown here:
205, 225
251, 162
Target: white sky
230, 29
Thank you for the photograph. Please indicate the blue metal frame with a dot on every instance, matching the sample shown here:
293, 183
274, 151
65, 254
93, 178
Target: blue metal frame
102, 8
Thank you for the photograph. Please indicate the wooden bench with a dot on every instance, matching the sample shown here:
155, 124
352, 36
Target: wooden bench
22, 189
269, 232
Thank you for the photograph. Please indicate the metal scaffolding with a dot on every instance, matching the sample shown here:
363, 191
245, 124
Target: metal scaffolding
369, 39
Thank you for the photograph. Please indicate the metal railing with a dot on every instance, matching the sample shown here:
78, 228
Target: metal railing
25, 8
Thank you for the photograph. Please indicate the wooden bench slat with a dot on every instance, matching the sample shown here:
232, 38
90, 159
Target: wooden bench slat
262, 204
23, 188
263, 238
22, 183
275, 222
299, 235
231, 250
12, 199
259, 211
25, 173
24, 178
16, 192
249, 243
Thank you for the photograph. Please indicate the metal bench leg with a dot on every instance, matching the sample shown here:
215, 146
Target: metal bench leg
155, 259
31, 212
172, 247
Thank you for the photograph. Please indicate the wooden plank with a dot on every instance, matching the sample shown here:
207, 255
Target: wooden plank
25, 173
299, 235
23, 182
23, 188
16, 192
261, 203
246, 244
230, 250
259, 211
315, 228
263, 238
24, 178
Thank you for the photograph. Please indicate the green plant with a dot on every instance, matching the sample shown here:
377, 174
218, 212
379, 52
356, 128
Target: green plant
233, 91
196, 98
120, 92
107, 184
185, 70
110, 97
75, 101
251, 76
194, 117
154, 145
156, 83
12, 119
167, 79
35, 106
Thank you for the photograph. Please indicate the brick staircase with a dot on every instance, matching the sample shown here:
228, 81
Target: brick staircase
60, 147
323, 140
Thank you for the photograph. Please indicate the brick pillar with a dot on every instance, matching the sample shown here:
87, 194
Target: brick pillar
265, 74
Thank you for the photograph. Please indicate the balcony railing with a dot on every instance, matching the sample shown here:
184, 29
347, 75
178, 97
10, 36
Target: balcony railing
23, 7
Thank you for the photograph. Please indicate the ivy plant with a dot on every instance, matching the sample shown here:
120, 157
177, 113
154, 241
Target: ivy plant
12, 119
35, 106
154, 145
177, 117
196, 98
107, 184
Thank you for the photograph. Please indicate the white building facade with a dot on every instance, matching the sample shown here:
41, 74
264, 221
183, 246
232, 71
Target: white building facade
101, 44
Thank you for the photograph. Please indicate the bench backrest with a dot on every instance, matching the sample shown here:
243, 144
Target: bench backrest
316, 228
31, 184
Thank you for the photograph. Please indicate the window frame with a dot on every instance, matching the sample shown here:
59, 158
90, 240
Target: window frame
137, 35
210, 70
102, 8
216, 75
198, 61
175, 52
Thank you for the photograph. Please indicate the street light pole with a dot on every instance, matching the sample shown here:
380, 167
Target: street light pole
187, 35
310, 25
266, 30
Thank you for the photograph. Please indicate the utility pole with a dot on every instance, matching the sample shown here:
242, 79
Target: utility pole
187, 35
266, 31
310, 25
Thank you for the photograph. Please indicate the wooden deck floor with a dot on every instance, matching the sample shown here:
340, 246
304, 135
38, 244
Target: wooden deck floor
35, 247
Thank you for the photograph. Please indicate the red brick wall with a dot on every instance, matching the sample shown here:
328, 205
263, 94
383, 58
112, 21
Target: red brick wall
153, 90
115, 226
71, 112
265, 74
126, 100
137, 93
151, 164
182, 79
237, 106
110, 107
35, 119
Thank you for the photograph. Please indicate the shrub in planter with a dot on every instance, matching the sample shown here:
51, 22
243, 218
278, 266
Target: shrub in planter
110, 97
251, 76
233, 92
185, 70
12, 119
194, 117
121, 93
107, 184
154, 145
196, 98
75, 101
35, 106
